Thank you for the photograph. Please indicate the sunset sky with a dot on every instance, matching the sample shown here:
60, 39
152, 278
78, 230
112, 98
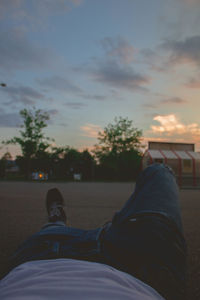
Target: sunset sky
87, 61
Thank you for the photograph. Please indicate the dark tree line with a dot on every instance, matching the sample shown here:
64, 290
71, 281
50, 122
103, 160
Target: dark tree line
117, 156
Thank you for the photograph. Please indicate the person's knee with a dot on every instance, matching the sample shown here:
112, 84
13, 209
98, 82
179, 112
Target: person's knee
151, 170
157, 167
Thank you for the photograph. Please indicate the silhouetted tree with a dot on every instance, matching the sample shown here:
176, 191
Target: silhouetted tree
87, 165
120, 136
65, 161
4, 164
118, 152
32, 140
72, 162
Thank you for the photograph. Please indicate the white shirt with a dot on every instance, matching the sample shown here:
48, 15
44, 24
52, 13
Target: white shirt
63, 279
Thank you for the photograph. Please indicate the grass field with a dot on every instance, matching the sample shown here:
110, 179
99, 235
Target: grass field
88, 206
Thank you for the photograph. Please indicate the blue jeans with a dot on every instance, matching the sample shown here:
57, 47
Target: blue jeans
144, 239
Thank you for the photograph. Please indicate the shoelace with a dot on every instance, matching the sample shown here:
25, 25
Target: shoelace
55, 210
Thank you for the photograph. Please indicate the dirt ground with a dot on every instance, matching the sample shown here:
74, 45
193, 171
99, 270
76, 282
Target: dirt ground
88, 206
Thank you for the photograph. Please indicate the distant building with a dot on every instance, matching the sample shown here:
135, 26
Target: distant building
181, 157
171, 146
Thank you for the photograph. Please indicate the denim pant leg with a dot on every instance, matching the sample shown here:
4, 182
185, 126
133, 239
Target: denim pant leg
156, 192
145, 238
56, 240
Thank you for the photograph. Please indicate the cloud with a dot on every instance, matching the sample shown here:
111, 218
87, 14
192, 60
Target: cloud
91, 130
63, 124
18, 53
119, 76
172, 52
58, 6
150, 105
185, 51
170, 125
172, 100
35, 10
114, 68
22, 95
60, 84
172, 130
52, 112
119, 48
153, 59
94, 97
9, 6
75, 105
193, 83
10, 120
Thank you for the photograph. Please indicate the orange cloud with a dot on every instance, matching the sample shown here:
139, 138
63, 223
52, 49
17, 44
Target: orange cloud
170, 125
91, 130
171, 129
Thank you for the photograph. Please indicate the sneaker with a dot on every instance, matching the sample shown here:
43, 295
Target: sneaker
54, 206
